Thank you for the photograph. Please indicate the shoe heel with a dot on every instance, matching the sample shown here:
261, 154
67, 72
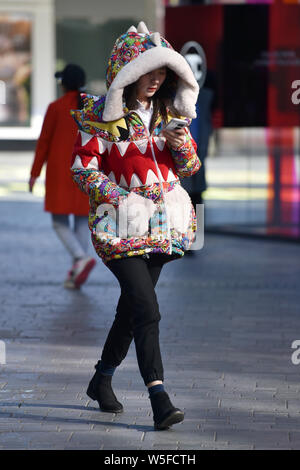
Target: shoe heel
91, 394
174, 418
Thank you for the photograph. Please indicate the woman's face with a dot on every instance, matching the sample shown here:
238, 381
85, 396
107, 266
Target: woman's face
148, 84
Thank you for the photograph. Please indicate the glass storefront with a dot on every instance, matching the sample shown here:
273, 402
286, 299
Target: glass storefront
252, 160
253, 182
15, 69
27, 49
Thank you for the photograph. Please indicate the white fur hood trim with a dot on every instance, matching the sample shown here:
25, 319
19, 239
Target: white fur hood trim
156, 57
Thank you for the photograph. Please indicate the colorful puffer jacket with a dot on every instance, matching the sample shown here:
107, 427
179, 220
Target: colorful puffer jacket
137, 204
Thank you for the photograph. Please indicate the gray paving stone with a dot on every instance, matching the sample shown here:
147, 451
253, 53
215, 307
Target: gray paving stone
229, 316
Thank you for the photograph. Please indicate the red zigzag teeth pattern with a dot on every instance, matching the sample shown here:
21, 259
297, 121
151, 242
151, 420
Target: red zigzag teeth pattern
129, 164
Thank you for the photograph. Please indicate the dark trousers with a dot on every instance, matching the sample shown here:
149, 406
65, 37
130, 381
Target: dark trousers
137, 315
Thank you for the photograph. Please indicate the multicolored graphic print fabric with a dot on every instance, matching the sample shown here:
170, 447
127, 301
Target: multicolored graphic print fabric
89, 119
127, 48
125, 170
108, 169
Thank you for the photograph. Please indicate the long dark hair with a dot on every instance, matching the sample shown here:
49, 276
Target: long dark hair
161, 100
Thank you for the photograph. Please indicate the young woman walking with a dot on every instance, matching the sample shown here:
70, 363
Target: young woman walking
140, 216
63, 199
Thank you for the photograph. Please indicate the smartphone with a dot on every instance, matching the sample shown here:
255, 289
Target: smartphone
175, 124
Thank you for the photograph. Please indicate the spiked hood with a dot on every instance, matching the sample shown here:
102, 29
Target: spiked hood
138, 52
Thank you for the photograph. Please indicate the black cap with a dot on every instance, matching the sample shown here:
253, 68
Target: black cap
72, 77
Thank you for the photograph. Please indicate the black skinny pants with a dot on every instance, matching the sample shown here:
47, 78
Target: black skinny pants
137, 315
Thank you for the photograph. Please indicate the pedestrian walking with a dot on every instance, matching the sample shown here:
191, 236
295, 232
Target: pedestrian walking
203, 125
140, 216
63, 199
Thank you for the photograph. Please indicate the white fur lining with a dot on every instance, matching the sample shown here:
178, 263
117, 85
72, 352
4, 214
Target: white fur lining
187, 90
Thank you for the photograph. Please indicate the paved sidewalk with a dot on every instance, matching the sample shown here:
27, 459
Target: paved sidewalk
229, 316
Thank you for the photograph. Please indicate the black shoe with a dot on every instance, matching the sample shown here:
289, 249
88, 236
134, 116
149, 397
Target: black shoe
164, 413
100, 389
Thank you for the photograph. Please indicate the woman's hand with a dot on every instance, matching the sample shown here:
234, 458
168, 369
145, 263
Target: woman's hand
31, 183
175, 138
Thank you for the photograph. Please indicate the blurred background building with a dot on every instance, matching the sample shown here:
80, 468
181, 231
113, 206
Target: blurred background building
253, 60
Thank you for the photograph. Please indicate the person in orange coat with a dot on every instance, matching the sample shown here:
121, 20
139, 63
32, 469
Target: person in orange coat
62, 196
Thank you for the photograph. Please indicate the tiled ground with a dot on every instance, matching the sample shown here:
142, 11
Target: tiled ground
229, 316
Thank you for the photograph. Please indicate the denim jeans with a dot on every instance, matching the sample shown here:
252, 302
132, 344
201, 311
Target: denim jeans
137, 315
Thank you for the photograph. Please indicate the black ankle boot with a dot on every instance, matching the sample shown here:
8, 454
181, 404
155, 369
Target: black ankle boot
100, 389
164, 413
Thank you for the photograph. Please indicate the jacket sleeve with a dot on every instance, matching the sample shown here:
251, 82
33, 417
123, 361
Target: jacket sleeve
44, 141
185, 157
86, 171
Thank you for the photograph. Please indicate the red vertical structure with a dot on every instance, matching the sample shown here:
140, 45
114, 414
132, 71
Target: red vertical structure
284, 54
254, 49
203, 24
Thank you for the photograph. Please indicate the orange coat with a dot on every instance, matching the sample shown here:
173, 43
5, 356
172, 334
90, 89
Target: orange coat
55, 146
